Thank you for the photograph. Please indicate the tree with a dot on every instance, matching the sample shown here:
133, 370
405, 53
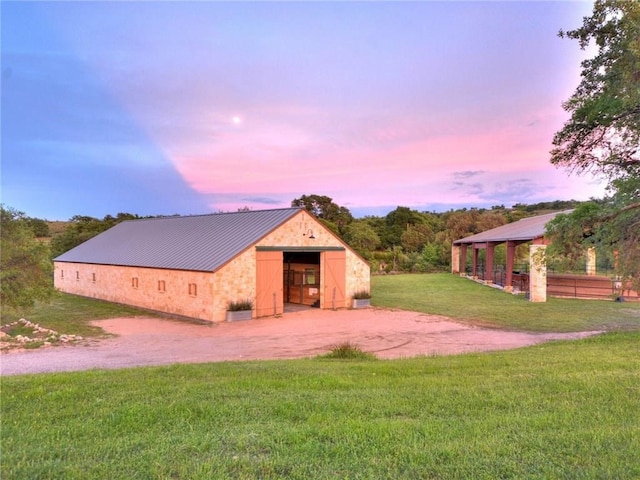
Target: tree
39, 227
397, 221
415, 237
490, 219
433, 257
25, 268
603, 133
324, 208
603, 137
82, 228
362, 237
461, 223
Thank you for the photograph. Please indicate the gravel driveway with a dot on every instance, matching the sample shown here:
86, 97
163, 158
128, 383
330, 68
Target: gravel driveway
143, 341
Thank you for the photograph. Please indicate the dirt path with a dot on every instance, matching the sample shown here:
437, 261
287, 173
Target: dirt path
387, 333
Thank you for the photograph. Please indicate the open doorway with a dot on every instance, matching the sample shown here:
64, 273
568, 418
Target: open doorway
301, 282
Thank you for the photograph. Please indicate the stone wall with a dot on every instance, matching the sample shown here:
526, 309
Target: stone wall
172, 291
234, 281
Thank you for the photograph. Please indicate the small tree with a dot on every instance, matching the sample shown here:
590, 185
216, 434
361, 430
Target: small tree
39, 227
415, 237
326, 210
361, 237
25, 267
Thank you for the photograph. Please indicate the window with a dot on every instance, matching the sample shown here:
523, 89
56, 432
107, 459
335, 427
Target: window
77, 275
193, 289
134, 282
61, 273
93, 277
162, 286
310, 276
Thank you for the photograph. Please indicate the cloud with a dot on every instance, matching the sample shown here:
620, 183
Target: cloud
263, 200
467, 174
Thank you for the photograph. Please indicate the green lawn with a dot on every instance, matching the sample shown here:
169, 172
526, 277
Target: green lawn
463, 299
558, 410
561, 410
71, 314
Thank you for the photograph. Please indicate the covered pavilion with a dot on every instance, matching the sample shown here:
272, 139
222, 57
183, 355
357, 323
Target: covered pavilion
528, 230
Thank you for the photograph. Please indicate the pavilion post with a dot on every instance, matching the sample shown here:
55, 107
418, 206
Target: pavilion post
474, 266
511, 253
455, 259
591, 261
537, 273
488, 262
463, 260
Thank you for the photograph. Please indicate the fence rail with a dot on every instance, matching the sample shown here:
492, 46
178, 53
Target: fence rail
562, 284
580, 286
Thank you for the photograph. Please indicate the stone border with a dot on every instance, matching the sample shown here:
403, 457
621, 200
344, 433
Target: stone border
44, 335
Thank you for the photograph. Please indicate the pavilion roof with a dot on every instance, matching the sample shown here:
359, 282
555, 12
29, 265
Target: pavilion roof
523, 230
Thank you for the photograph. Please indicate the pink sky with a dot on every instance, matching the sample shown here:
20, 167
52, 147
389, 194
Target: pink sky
189, 107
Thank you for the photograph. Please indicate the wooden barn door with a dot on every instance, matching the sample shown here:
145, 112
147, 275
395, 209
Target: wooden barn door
334, 278
269, 271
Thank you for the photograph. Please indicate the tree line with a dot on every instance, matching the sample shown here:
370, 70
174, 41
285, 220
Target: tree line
404, 240
408, 240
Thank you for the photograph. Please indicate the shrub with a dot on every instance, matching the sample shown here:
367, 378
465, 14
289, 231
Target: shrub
238, 305
362, 295
348, 351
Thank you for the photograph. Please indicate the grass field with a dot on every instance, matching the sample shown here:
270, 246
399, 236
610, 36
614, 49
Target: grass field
562, 410
460, 298
72, 314
558, 410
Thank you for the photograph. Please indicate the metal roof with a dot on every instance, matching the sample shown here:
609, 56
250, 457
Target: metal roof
200, 242
522, 230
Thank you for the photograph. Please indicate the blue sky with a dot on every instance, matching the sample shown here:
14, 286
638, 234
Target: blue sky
194, 107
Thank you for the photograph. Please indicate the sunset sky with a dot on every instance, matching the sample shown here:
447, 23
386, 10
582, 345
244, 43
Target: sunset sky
194, 107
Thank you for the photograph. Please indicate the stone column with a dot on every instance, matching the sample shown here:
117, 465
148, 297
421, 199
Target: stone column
537, 273
591, 261
455, 259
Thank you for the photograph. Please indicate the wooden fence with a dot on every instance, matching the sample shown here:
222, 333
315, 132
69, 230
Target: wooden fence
569, 285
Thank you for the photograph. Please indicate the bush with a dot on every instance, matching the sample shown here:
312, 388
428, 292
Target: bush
348, 351
239, 305
362, 295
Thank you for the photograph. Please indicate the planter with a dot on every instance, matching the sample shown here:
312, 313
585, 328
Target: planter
361, 303
238, 315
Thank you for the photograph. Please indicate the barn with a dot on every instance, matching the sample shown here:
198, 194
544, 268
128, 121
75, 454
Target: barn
194, 266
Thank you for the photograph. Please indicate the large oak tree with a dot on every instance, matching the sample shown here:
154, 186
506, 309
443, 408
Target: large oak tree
603, 137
